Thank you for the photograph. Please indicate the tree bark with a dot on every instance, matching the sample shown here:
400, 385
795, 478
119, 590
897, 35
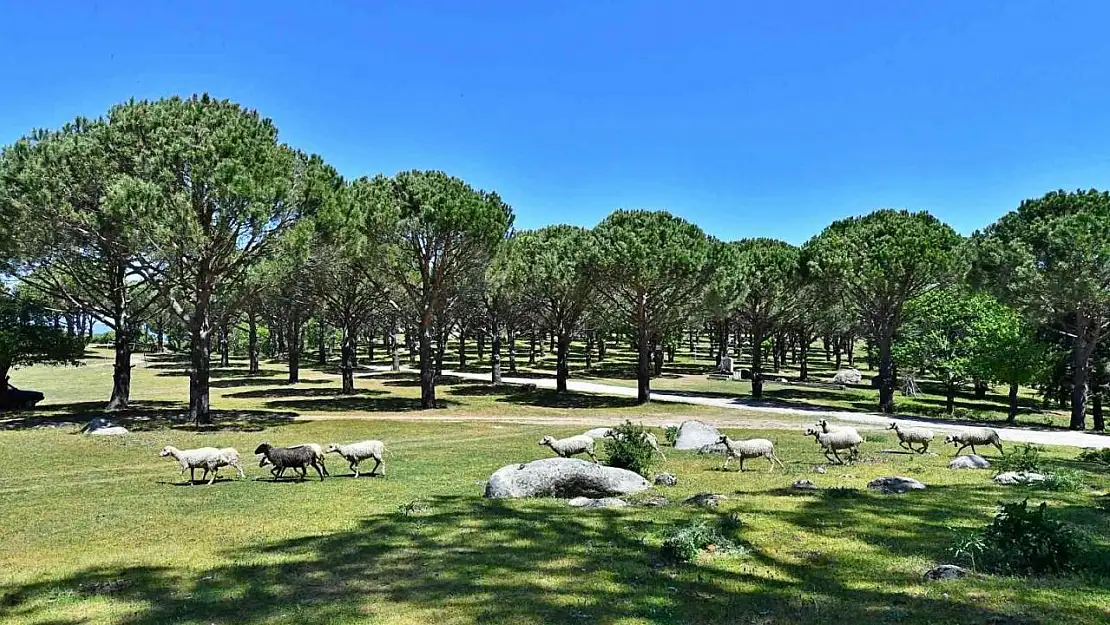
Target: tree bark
121, 371
803, 362
394, 349
1081, 369
294, 345
462, 350
886, 374
441, 351
589, 350
1096, 413
838, 348
532, 347
1011, 417
601, 347
161, 336
850, 347
252, 344
949, 397
347, 359
495, 353
981, 389
512, 349
757, 362
481, 340
200, 355
427, 368
657, 360
410, 343
321, 346
562, 362
225, 344
643, 369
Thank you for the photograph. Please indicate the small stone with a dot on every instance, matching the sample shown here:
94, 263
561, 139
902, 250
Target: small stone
805, 485
603, 502
945, 571
970, 461
654, 502
895, 484
820, 469
706, 500
666, 479
1011, 478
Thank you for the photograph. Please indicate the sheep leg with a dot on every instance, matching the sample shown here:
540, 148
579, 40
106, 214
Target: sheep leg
215, 472
192, 475
838, 460
772, 458
239, 469
592, 457
727, 458
354, 467
905, 445
303, 472
316, 466
924, 447
377, 463
999, 446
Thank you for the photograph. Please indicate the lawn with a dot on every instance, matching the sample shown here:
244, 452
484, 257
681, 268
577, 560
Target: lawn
102, 530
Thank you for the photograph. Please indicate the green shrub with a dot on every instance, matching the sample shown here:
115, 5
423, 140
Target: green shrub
1020, 541
1097, 456
683, 544
628, 448
1068, 480
1025, 457
671, 434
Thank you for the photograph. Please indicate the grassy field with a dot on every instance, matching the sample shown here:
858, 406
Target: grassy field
102, 530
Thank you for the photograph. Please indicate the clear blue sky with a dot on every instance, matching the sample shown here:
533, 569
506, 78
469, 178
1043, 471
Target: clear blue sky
751, 119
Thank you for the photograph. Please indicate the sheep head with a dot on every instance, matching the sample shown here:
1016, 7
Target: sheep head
547, 440
166, 451
332, 449
722, 440
893, 425
950, 438
263, 448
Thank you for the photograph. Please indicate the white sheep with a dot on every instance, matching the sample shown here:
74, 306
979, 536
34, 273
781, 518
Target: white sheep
357, 452
648, 436
972, 437
846, 438
908, 436
208, 458
750, 448
316, 450
572, 445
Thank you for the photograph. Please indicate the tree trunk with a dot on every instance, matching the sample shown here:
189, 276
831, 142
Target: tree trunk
121, 371
200, 353
562, 362
410, 344
441, 351
347, 359
825, 344
321, 346
981, 389
657, 360
495, 353
1081, 368
481, 339
757, 362
551, 344
1096, 412
512, 349
294, 345
886, 374
394, 349
369, 349
252, 344
670, 354
851, 349
225, 344
1012, 415
462, 350
838, 348
427, 368
775, 354
161, 336
643, 369
803, 362
601, 347
532, 347
949, 397
589, 350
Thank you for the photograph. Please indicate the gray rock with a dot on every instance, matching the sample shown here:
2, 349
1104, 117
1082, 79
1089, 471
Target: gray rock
653, 502
101, 426
115, 430
820, 469
666, 479
563, 477
603, 502
706, 500
805, 485
970, 461
597, 432
895, 484
1011, 478
945, 571
697, 435
848, 376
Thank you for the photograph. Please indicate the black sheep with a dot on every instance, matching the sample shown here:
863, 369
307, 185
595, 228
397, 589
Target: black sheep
296, 458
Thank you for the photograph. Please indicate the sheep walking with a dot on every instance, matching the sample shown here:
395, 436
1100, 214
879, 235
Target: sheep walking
750, 448
972, 437
296, 458
570, 446
355, 453
908, 436
835, 440
208, 458
316, 449
648, 436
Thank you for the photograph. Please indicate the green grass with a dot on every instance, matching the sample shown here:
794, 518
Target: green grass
102, 530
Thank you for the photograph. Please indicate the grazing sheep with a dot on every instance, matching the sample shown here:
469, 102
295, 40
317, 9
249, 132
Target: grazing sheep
649, 437
972, 437
572, 445
316, 449
847, 438
207, 458
825, 427
908, 436
357, 452
296, 458
751, 448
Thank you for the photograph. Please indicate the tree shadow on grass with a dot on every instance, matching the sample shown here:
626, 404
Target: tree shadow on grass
409, 382
144, 416
347, 403
263, 381
301, 392
549, 398
473, 560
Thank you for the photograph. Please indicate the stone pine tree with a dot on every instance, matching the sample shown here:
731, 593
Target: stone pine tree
1050, 259
652, 268
558, 284
28, 337
1008, 350
213, 188
770, 271
724, 290
441, 232
504, 300
877, 263
68, 178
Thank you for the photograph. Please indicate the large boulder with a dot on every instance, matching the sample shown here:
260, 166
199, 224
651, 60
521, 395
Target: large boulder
698, 435
945, 571
563, 477
848, 376
970, 461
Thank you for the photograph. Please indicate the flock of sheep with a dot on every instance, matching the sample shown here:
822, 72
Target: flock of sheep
295, 457
832, 439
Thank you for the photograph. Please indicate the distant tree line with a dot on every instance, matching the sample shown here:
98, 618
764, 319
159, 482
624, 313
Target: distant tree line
185, 223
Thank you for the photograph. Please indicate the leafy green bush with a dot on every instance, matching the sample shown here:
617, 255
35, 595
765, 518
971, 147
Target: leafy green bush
683, 544
628, 448
671, 434
1023, 458
1020, 541
1068, 480
1097, 456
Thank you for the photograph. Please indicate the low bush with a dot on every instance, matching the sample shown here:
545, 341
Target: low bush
1025, 457
670, 433
1023, 541
628, 448
1068, 480
1097, 456
685, 543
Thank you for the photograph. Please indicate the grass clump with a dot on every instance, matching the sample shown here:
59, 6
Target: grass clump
670, 434
628, 448
1096, 456
685, 543
1023, 541
1066, 480
1025, 458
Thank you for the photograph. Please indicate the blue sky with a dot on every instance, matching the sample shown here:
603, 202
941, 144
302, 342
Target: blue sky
750, 119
